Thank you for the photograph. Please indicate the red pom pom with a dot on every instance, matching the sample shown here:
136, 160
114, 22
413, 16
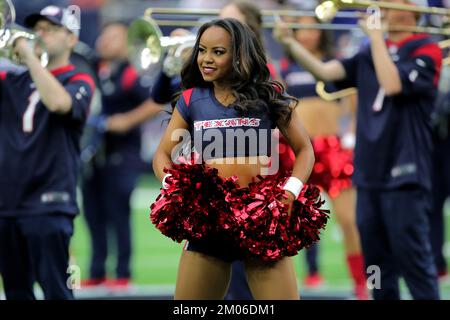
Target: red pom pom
307, 218
188, 208
265, 229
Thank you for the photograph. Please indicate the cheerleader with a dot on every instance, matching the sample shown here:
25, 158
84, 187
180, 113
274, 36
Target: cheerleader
227, 93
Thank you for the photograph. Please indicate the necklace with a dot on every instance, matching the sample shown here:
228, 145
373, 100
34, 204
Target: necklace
227, 99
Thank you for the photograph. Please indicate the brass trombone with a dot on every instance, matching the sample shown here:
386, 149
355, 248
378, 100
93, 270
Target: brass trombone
212, 13
329, 9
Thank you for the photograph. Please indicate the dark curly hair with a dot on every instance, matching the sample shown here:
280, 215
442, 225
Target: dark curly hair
250, 79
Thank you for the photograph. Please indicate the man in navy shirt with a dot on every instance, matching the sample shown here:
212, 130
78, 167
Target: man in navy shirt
397, 81
107, 191
42, 114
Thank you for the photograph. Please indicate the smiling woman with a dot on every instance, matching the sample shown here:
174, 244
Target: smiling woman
232, 209
214, 61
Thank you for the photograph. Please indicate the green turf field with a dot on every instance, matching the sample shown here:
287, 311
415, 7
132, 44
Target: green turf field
155, 257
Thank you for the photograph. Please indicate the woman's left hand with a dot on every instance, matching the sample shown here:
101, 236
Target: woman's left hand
289, 200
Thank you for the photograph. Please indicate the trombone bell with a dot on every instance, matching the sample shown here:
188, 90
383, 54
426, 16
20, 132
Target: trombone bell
326, 11
144, 46
147, 46
9, 33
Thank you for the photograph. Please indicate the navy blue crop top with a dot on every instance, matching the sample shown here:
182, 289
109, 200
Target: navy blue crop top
219, 131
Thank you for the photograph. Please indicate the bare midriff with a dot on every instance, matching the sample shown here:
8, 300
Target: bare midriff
244, 168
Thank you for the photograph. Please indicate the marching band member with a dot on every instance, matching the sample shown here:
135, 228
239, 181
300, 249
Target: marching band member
397, 82
42, 114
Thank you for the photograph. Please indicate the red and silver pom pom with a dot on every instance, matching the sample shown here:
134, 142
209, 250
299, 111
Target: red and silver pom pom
187, 208
333, 168
265, 229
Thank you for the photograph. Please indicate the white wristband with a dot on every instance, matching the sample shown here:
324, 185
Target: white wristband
164, 183
348, 140
293, 185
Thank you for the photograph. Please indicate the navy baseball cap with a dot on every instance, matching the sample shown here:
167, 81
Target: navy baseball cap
56, 15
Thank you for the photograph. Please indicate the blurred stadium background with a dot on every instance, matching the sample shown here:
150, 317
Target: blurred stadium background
155, 257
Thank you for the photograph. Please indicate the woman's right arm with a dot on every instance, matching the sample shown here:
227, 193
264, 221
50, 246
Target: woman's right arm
332, 70
171, 138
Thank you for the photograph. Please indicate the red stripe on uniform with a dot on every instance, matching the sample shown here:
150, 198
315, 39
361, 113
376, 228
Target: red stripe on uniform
414, 37
58, 71
433, 51
129, 77
272, 70
2, 75
187, 95
84, 77
284, 64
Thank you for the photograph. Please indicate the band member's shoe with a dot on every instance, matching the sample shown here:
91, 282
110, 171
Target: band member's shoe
120, 284
92, 282
361, 292
313, 281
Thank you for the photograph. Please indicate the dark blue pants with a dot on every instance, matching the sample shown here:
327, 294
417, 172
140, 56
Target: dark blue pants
239, 289
441, 190
394, 230
35, 248
311, 258
106, 202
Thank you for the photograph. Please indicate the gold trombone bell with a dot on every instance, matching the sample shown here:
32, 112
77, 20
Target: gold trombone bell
147, 45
